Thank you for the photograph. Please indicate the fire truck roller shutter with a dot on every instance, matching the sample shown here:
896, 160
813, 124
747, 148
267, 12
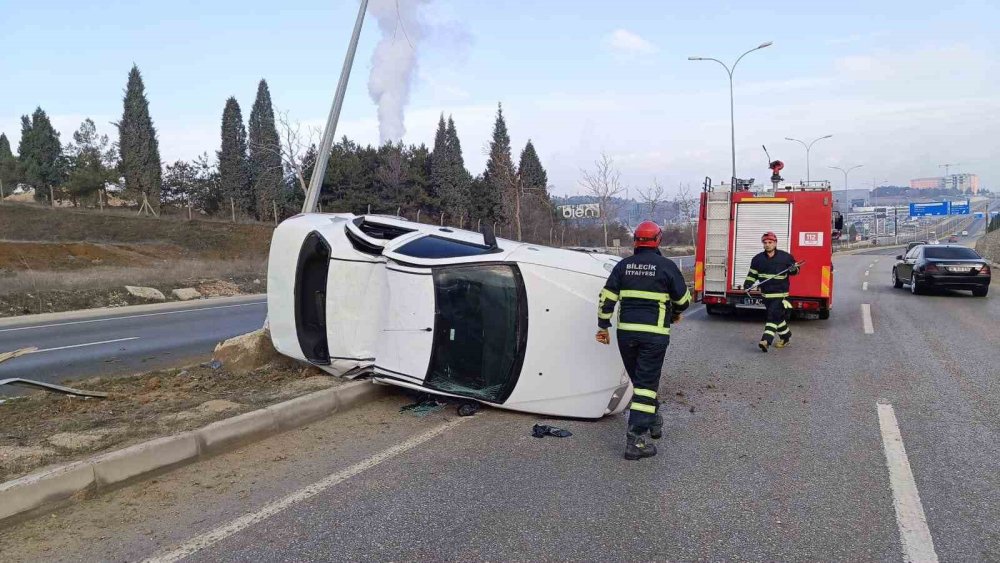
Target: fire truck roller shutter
752, 221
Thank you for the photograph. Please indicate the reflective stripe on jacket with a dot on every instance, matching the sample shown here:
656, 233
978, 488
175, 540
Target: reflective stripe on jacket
650, 290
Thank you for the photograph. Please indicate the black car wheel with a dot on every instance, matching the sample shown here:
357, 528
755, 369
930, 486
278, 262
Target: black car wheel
981, 291
896, 282
914, 287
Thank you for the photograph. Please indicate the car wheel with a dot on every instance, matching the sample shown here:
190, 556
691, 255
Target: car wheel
914, 287
896, 282
981, 291
824, 314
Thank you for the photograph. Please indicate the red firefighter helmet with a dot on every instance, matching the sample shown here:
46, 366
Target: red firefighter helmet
647, 235
769, 236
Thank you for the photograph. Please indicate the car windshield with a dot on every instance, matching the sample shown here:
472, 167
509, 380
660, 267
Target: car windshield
951, 253
438, 247
480, 330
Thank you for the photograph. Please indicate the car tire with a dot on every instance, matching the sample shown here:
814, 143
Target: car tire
824, 314
915, 288
896, 282
981, 291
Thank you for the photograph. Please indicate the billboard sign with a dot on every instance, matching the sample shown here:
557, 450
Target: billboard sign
931, 208
581, 211
960, 207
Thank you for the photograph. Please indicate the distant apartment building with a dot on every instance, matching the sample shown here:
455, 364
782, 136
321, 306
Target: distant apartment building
927, 183
967, 183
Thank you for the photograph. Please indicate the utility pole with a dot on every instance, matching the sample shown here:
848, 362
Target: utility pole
319, 171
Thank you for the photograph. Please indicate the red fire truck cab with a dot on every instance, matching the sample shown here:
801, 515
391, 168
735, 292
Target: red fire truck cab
730, 225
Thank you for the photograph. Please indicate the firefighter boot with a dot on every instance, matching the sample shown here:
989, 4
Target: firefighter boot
656, 429
636, 446
762, 345
782, 342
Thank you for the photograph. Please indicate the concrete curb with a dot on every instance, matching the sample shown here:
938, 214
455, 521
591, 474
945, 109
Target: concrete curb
83, 314
34, 493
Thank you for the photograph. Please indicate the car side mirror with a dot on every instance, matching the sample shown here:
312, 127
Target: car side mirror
899, 257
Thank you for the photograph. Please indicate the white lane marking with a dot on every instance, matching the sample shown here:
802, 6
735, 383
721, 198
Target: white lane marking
913, 531
205, 540
87, 344
876, 261
132, 316
866, 318
867, 272
872, 265
864, 286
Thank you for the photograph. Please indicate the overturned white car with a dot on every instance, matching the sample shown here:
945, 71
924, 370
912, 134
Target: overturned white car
444, 310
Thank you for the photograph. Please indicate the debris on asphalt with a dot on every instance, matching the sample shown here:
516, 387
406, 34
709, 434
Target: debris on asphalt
542, 430
468, 408
214, 364
423, 406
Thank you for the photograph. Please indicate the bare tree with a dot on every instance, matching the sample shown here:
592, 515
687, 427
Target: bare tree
294, 144
604, 183
652, 197
686, 205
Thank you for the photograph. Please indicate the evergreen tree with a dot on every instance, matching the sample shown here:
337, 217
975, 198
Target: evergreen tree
441, 166
266, 174
40, 155
140, 151
459, 178
9, 170
234, 172
533, 176
499, 177
90, 163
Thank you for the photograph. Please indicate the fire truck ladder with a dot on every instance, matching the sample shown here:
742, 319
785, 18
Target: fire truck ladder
716, 241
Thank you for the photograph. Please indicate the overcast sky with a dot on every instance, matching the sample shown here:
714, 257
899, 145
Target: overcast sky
902, 86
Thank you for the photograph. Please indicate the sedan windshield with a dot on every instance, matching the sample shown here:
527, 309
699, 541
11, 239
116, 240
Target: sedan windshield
480, 330
951, 253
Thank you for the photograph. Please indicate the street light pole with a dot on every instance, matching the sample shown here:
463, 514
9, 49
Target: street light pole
808, 147
323, 156
846, 172
732, 115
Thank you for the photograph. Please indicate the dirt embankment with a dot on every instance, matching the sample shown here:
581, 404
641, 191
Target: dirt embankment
64, 259
989, 246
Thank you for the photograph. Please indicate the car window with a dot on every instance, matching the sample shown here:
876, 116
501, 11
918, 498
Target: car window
912, 253
437, 247
379, 230
951, 253
480, 325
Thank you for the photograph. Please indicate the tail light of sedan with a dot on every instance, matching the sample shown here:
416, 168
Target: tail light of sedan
985, 270
931, 267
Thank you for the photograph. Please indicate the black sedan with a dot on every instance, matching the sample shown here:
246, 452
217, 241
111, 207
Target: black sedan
945, 266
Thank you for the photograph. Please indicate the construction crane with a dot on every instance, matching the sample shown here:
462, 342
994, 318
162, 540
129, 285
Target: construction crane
947, 167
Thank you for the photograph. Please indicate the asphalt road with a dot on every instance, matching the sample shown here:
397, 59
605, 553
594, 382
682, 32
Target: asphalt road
778, 456
123, 342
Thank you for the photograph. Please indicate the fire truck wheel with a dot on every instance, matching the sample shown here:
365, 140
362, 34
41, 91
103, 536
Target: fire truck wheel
824, 314
713, 309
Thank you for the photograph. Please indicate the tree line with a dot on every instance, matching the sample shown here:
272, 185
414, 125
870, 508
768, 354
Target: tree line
263, 165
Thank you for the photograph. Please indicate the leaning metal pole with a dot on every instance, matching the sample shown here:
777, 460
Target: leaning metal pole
319, 171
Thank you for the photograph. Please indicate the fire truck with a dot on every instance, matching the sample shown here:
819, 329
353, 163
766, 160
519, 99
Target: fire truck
730, 224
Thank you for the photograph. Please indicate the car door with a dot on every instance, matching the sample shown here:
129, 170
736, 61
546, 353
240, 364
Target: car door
905, 267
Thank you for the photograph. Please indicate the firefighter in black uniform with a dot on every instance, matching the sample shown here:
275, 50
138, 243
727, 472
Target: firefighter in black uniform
767, 267
652, 293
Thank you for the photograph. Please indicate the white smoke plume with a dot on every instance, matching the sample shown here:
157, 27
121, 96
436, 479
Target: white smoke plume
394, 62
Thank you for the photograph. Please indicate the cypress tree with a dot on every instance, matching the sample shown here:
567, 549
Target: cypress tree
8, 166
266, 175
440, 168
234, 173
498, 179
140, 151
41, 155
459, 178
